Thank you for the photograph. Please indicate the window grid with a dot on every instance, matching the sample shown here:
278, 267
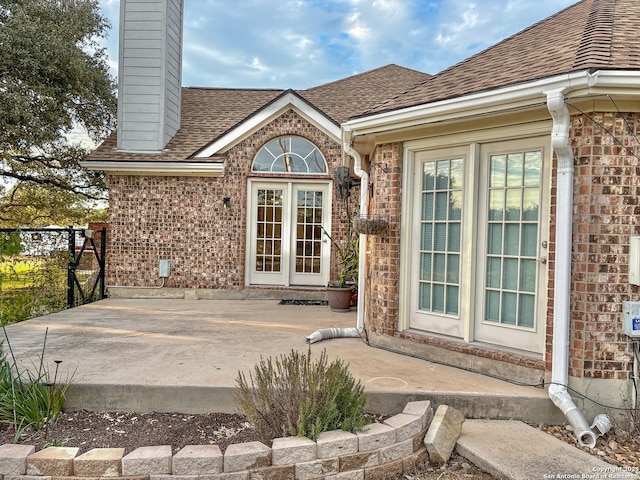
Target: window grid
289, 154
269, 231
309, 232
512, 238
441, 222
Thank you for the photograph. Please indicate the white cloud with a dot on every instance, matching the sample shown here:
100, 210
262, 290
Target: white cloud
303, 43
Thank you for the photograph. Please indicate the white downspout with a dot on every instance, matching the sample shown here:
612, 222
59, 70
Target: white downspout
562, 280
328, 333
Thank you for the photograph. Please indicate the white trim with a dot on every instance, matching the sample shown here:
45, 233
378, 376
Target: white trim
496, 100
183, 169
289, 101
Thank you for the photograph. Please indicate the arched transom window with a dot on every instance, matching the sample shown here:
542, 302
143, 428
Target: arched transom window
289, 154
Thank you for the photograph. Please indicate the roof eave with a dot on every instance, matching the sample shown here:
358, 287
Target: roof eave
200, 169
495, 101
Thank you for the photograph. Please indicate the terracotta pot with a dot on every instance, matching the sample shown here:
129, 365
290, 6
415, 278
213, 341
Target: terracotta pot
339, 298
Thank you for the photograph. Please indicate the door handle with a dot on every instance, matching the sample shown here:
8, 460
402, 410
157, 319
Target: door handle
542, 260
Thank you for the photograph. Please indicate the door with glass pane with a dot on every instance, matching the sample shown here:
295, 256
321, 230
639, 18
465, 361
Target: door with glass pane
286, 241
437, 237
512, 241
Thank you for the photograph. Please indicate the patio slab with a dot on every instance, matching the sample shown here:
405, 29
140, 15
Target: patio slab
177, 355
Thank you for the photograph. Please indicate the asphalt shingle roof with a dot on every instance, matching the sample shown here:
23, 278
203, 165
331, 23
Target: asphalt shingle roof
208, 113
589, 35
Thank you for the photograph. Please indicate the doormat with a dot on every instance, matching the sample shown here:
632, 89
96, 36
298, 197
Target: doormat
304, 302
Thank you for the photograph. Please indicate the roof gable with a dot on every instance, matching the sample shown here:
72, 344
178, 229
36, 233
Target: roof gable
589, 35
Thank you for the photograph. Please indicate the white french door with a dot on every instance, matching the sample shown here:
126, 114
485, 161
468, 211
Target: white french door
478, 247
286, 242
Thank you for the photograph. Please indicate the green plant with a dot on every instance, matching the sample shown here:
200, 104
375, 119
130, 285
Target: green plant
348, 251
29, 399
293, 395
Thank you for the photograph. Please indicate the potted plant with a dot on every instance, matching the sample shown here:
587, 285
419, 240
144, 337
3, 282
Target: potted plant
341, 290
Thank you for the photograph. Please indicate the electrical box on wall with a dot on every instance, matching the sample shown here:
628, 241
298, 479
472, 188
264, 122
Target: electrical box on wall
631, 320
163, 269
634, 260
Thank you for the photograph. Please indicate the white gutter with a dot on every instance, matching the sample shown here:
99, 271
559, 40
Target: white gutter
493, 101
562, 278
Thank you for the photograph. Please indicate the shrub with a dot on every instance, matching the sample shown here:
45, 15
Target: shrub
293, 395
29, 399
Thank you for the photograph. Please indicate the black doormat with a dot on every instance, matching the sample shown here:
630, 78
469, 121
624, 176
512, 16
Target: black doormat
304, 302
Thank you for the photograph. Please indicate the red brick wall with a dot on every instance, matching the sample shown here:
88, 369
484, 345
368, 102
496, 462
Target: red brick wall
182, 218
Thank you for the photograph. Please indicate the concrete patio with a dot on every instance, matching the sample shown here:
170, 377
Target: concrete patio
177, 355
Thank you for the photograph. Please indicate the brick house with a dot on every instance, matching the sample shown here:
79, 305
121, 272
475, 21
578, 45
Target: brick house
509, 183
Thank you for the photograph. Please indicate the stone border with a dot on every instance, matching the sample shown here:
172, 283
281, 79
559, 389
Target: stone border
380, 450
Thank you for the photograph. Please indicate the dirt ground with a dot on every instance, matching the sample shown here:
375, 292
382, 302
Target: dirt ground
87, 430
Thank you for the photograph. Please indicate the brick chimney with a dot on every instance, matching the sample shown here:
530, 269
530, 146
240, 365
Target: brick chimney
149, 74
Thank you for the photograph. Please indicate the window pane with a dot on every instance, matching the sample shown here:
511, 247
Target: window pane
509, 304
438, 298
440, 237
512, 239
453, 268
527, 309
425, 271
427, 206
532, 165
442, 205
442, 175
530, 204
496, 205
452, 300
514, 200
439, 262
529, 240
514, 168
455, 205
498, 168
527, 275
495, 239
428, 175
289, 154
457, 170
492, 306
494, 272
425, 297
510, 274
453, 243
427, 234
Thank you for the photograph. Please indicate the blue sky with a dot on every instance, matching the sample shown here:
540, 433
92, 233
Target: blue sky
303, 43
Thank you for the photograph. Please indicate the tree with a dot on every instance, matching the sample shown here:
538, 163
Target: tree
54, 78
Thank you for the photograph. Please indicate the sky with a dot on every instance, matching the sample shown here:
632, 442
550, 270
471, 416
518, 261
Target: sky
304, 43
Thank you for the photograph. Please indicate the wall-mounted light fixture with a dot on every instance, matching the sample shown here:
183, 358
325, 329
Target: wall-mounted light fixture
226, 202
343, 181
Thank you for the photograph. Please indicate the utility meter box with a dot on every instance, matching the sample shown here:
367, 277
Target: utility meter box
163, 269
631, 320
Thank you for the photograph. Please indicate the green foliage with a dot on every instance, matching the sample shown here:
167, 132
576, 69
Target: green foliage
348, 251
31, 287
29, 399
54, 79
293, 395
10, 243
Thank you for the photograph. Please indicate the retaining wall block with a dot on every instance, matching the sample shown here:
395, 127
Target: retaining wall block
284, 472
422, 409
442, 436
359, 460
336, 443
197, 460
383, 472
317, 469
13, 458
243, 475
376, 435
53, 461
148, 461
406, 425
99, 462
292, 450
244, 456
416, 458
396, 451
352, 475
170, 477
27, 477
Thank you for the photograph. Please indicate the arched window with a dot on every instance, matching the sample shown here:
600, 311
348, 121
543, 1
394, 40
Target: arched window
289, 154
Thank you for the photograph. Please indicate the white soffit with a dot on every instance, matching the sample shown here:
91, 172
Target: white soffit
200, 169
288, 101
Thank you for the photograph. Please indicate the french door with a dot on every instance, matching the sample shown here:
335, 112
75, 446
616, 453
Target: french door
477, 266
286, 241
